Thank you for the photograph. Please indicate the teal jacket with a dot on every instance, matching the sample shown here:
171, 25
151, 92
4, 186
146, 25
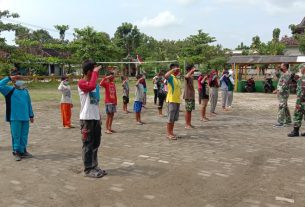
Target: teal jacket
18, 102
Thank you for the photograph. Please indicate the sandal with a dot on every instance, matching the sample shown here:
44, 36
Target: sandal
171, 137
94, 173
108, 132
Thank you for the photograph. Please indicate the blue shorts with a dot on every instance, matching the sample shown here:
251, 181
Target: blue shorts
137, 106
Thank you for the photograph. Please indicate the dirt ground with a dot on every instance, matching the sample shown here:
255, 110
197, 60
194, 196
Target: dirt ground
235, 160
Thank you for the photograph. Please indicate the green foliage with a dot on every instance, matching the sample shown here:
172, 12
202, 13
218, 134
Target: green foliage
5, 68
62, 30
90, 44
301, 40
127, 37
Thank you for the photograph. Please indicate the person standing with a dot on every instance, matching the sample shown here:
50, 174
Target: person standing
110, 100
214, 85
282, 91
125, 86
224, 85
139, 97
19, 114
230, 90
204, 97
173, 98
200, 77
145, 90
299, 112
189, 95
90, 119
155, 80
66, 102
162, 93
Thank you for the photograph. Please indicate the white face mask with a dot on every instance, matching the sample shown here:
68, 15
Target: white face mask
20, 84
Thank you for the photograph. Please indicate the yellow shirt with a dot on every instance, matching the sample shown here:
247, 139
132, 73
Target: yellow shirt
174, 89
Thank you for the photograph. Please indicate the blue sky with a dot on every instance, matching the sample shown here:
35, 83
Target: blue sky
230, 21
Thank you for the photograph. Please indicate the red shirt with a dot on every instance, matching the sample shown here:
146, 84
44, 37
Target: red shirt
110, 92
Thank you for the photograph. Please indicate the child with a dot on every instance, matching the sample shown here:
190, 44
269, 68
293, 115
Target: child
110, 100
90, 119
204, 96
145, 90
161, 92
18, 113
139, 97
125, 86
66, 102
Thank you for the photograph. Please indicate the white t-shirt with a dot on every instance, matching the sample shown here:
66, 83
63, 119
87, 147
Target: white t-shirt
89, 105
66, 93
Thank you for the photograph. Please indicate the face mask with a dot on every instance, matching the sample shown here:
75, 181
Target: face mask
66, 83
20, 84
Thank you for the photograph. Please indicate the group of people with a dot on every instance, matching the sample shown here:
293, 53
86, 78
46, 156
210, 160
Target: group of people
283, 91
167, 88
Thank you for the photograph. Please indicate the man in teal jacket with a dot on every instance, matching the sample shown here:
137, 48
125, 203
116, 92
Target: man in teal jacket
19, 113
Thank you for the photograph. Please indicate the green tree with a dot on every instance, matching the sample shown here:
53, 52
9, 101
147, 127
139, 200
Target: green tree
127, 37
62, 31
7, 26
276, 35
90, 44
256, 42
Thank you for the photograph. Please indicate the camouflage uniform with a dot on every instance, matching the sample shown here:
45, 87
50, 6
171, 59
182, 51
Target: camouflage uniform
283, 88
299, 111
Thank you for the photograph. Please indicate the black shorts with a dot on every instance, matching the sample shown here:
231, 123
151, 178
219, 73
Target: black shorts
125, 100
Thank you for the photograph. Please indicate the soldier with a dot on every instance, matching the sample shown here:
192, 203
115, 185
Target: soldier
299, 105
282, 91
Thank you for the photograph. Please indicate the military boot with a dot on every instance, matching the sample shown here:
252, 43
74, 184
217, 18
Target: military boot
294, 132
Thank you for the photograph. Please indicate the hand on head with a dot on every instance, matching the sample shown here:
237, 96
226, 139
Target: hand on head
97, 68
16, 77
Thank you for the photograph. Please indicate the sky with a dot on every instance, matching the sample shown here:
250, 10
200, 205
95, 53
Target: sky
229, 21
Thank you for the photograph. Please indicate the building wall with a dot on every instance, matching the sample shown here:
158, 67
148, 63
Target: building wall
292, 51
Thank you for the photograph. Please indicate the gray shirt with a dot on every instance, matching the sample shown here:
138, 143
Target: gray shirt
139, 93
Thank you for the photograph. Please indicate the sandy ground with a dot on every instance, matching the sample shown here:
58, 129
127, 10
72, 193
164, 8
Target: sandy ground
235, 160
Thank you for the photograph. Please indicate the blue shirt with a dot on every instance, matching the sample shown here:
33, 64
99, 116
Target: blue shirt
18, 102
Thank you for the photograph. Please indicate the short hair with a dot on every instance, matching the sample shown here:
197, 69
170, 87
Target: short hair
189, 67
88, 65
139, 76
286, 65
173, 65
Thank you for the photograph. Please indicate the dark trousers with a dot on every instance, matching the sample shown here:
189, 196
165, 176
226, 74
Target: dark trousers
156, 95
91, 137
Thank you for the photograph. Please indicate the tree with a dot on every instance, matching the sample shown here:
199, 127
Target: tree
7, 26
276, 35
62, 30
292, 27
127, 37
90, 44
256, 43
302, 43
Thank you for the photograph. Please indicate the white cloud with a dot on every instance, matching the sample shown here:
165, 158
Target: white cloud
163, 19
269, 6
186, 2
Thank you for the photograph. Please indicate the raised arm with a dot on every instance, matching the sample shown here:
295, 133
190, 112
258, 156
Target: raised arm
88, 86
190, 73
4, 88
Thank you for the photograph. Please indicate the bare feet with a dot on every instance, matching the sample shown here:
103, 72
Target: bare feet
171, 137
108, 131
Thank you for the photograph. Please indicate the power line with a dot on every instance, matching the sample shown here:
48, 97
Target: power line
33, 25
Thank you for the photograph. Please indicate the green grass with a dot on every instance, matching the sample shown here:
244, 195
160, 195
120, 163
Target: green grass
47, 91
